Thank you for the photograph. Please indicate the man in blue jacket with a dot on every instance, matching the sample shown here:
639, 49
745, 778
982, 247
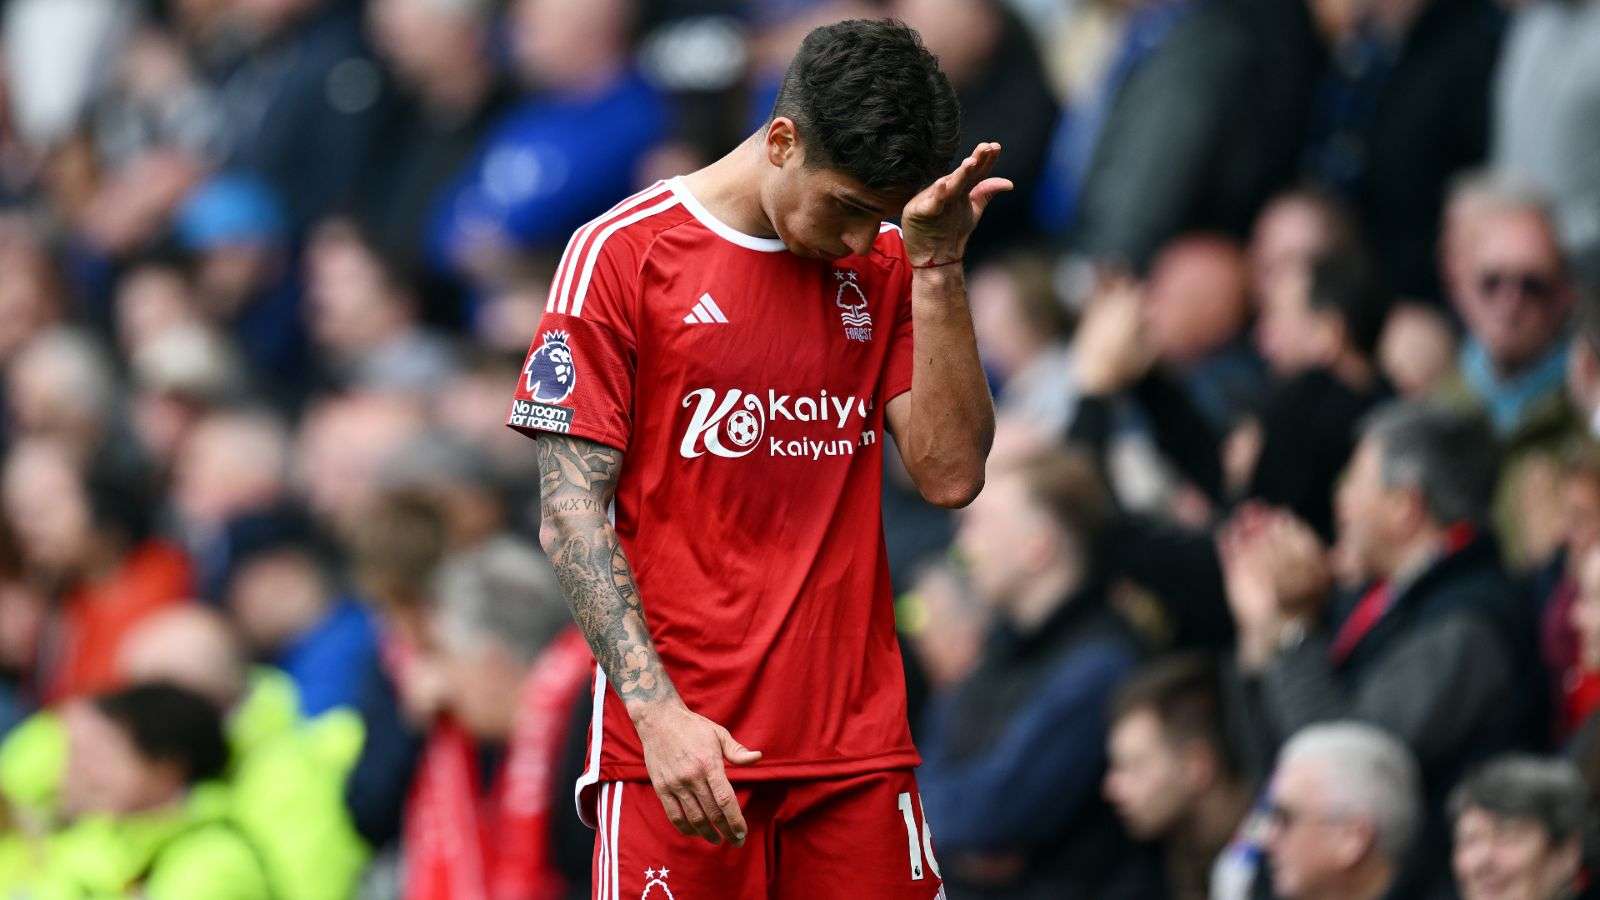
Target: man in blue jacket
1013, 756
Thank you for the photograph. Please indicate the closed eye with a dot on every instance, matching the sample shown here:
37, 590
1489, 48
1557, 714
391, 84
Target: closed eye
856, 209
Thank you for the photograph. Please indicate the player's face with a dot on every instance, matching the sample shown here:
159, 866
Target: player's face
829, 215
818, 212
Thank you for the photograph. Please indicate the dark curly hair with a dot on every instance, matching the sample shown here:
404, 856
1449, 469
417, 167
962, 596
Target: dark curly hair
868, 99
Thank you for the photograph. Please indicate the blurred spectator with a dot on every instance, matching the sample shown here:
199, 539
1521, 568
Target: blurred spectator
180, 376
235, 231
458, 478
397, 543
305, 72
1517, 305
197, 649
344, 442
441, 53
292, 613
1473, 195
1197, 307
1578, 677
561, 156
52, 53
1559, 585
1520, 826
32, 297
1403, 106
1172, 778
1435, 643
1547, 85
61, 386
144, 816
1417, 350
994, 65
514, 668
87, 536
1163, 370
286, 774
232, 469
1172, 149
186, 646
395, 548
365, 321
1021, 329
1345, 810
151, 133
475, 391
1008, 784
1318, 331
1294, 229
154, 295
945, 623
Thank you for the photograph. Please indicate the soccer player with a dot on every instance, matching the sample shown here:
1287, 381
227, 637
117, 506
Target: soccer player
709, 385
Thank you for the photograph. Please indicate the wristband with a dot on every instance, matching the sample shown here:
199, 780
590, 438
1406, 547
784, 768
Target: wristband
948, 262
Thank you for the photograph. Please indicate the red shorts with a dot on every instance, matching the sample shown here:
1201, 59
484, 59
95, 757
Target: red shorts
856, 838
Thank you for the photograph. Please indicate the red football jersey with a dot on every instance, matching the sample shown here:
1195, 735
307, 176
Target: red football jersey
746, 387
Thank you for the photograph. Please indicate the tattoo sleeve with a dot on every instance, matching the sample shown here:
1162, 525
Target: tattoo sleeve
577, 479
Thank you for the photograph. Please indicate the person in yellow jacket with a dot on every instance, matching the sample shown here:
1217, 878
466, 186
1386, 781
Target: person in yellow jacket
284, 778
144, 815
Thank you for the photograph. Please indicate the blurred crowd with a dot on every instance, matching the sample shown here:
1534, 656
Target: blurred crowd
1285, 581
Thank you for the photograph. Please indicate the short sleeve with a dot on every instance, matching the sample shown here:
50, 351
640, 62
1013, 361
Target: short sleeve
897, 368
578, 376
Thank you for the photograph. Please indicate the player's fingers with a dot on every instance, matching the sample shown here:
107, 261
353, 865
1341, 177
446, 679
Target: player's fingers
976, 167
714, 798
964, 177
700, 818
988, 190
735, 752
986, 155
675, 813
731, 817
940, 194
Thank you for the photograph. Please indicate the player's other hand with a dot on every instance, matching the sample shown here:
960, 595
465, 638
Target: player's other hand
938, 221
684, 753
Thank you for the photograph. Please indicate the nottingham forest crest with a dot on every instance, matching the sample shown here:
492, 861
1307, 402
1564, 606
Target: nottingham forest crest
852, 304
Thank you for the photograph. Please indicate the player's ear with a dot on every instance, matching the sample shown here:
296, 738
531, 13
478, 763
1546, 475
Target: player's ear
782, 141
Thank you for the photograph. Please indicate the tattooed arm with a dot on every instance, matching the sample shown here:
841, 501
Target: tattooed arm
683, 751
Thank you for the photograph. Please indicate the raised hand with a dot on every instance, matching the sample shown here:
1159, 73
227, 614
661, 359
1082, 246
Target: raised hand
1110, 350
938, 221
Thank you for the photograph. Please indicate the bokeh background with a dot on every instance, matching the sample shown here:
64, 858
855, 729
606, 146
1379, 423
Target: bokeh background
268, 269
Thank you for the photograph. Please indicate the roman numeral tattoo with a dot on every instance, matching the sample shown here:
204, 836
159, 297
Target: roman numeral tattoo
577, 479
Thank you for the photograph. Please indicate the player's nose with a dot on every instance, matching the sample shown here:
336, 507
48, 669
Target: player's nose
860, 240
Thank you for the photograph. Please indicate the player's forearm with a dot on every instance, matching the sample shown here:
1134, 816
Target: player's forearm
577, 479
951, 423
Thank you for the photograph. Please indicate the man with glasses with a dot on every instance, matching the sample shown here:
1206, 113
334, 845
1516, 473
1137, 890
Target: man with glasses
1344, 808
1515, 293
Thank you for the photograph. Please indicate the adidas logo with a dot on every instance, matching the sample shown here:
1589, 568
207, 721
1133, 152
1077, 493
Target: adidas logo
706, 312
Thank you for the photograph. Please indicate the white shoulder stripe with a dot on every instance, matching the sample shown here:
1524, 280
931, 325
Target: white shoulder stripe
561, 283
555, 277
593, 255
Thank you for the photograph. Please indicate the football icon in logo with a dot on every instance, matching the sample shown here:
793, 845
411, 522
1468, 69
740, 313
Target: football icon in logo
743, 428
550, 374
